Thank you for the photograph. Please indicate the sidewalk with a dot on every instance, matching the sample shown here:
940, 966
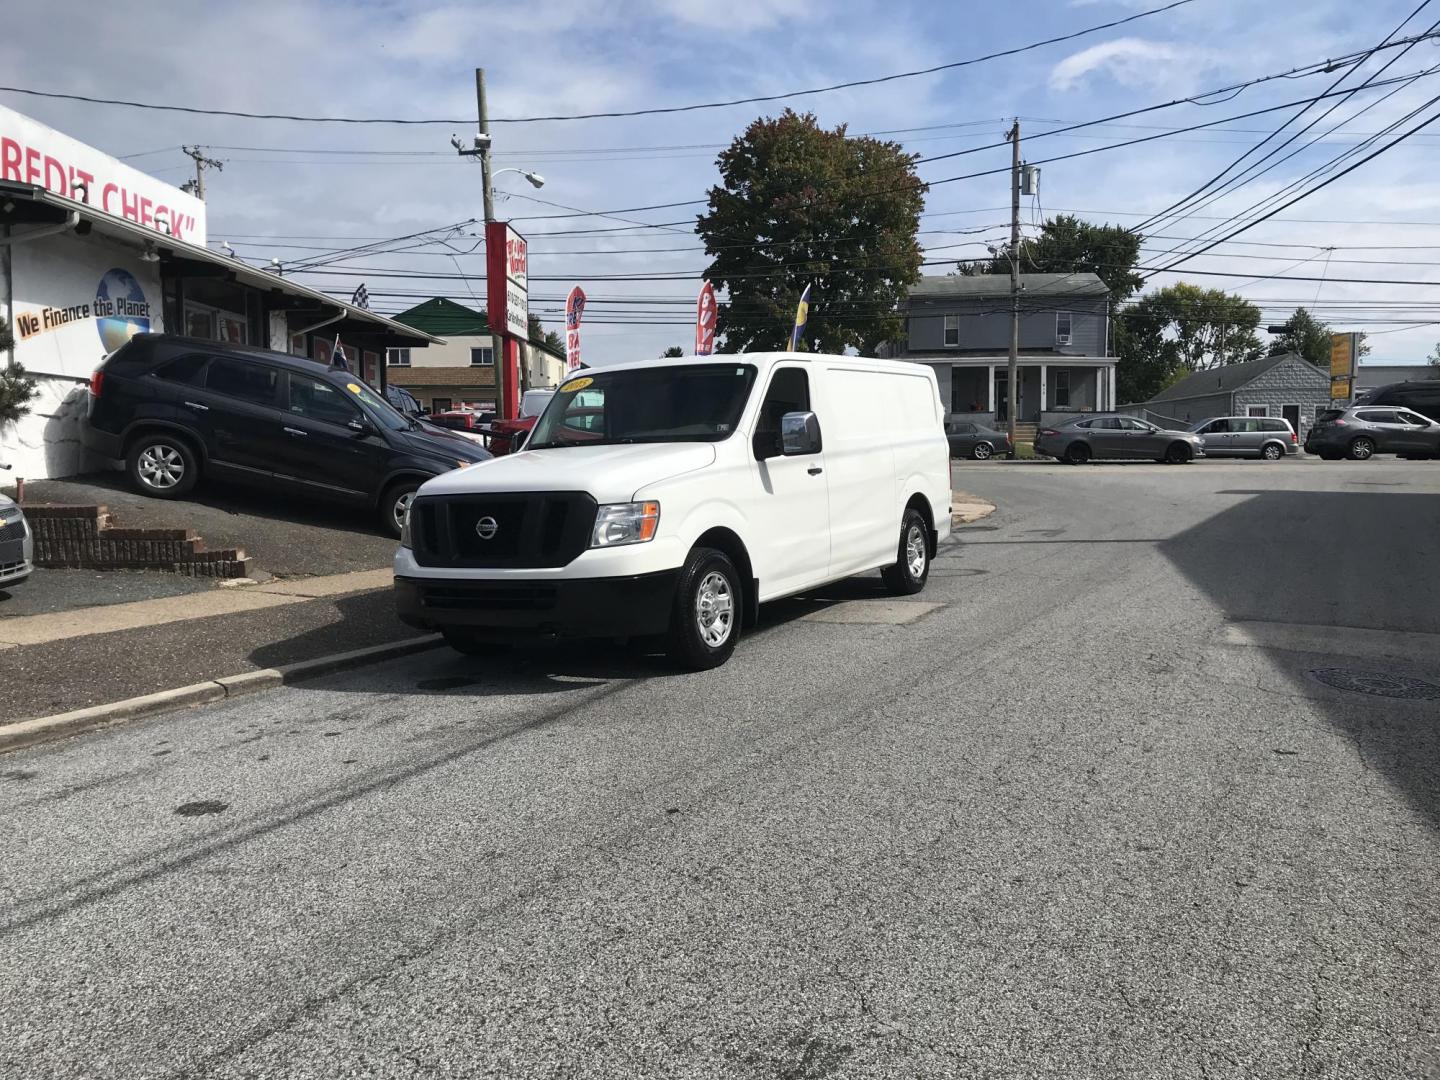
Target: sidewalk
67, 660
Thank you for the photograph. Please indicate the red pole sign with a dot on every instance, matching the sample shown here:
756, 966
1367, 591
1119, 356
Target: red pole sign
574, 309
705, 321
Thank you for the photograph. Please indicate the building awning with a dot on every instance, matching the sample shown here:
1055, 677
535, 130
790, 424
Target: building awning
30, 205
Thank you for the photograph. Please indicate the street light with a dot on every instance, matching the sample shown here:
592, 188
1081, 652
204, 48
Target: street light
536, 180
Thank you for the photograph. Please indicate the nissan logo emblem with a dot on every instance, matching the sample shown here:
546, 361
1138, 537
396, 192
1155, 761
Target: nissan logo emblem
486, 528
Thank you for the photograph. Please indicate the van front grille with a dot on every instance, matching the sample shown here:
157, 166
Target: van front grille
514, 529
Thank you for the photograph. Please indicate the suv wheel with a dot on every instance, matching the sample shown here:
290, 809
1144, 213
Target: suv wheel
1362, 449
393, 505
912, 563
705, 619
162, 465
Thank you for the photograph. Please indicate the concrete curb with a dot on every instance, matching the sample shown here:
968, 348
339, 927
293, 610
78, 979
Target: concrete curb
48, 728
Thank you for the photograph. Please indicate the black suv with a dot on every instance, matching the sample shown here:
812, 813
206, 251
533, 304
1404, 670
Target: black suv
1422, 395
175, 408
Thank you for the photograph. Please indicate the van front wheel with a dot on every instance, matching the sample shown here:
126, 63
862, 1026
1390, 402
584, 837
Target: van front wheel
912, 563
705, 619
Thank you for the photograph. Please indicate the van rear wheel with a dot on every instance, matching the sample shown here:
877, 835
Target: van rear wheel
912, 563
705, 618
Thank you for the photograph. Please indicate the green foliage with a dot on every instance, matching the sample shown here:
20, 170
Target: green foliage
1434, 357
673, 350
1067, 245
797, 204
17, 389
1181, 328
1306, 335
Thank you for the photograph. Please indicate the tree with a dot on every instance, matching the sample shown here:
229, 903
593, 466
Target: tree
1181, 328
1434, 357
798, 204
1067, 245
17, 389
673, 350
1303, 333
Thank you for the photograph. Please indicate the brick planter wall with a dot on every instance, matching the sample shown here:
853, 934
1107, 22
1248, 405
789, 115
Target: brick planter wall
81, 537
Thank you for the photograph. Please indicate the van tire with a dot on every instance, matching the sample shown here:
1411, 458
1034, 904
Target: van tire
912, 559
708, 604
1272, 451
162, 465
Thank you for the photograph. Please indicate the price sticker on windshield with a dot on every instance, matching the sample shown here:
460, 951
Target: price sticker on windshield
576, 385
352, 388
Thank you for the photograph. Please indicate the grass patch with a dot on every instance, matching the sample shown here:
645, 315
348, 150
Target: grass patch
1024, 451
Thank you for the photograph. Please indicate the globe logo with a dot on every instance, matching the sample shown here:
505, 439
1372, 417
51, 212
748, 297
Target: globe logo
121, 310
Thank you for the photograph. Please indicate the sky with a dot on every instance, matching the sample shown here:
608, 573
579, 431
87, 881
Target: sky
298, 190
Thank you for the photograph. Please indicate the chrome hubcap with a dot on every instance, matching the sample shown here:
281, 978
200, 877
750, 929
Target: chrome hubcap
715, 609
915, 553
1272, 452
982, 451
161, 466
402, 504
1362, 450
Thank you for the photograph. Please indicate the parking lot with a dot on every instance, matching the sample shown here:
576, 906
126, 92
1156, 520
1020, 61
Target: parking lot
1144, 783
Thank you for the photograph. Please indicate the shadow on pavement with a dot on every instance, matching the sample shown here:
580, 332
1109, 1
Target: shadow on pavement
1330, 562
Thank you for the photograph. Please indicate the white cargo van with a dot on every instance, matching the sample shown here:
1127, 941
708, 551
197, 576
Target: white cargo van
674, 497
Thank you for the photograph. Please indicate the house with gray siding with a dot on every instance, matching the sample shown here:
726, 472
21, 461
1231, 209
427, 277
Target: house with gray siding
960, 326
1287, 386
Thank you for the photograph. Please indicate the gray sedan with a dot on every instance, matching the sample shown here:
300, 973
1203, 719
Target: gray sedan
1116, 438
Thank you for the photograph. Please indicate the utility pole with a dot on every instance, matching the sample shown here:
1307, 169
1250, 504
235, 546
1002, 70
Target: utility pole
1012, 387
196, 187
497, 337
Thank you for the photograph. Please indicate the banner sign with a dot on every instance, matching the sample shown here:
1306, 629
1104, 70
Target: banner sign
802, 316
1344, 349
574, 309
705, 321
507, 278
31, 153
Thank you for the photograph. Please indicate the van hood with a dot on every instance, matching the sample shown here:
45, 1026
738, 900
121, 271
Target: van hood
610, 474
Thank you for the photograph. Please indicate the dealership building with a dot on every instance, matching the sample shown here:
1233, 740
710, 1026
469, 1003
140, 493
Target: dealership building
93, 251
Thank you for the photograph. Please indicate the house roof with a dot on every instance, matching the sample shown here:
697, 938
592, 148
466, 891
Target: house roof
1227, 379
441, 315
950, 286
1380, 374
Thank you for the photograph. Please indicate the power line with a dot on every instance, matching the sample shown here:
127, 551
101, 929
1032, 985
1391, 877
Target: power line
606, 115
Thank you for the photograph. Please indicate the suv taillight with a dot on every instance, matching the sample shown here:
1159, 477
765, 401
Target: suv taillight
97, 379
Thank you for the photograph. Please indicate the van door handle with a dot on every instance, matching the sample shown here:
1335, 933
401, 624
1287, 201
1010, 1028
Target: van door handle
814, 470
198, 406
295, 431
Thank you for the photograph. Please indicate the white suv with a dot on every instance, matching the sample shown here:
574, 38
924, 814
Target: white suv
674, 497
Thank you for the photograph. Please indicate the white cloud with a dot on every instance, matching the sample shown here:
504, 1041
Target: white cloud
1129, 61
737, 16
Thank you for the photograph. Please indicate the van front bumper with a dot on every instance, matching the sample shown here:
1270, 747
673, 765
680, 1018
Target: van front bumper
633, 606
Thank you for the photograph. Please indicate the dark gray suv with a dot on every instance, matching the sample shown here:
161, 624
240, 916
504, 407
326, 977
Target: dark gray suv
1362, 431
174, 408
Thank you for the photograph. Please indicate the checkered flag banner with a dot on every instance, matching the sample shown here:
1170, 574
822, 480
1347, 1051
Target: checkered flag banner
361, 299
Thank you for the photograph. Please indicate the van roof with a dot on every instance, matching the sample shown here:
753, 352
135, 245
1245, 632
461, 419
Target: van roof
762, 360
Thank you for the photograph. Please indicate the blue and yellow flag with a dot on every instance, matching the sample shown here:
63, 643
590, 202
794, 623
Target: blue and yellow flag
802, 316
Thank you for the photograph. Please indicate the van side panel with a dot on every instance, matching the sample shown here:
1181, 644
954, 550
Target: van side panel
922, 457
859, 426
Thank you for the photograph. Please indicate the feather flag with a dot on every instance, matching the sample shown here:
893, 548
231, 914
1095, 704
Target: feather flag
802, 316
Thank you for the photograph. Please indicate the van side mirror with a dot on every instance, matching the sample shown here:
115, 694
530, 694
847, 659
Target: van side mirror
799, 434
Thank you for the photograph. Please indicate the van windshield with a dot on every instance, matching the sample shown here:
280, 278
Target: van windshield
694, 403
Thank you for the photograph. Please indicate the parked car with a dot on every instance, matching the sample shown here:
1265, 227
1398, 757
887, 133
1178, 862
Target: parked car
17, 544
1362, 431
404, 402
1267, 437
974, 441
508, 436
678, 497
1116, 438
174, 409
1421, 396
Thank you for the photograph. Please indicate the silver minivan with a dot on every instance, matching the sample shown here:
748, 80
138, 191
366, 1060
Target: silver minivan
1267, 437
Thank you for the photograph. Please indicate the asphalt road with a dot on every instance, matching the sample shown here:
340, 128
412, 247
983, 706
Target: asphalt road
1119, 808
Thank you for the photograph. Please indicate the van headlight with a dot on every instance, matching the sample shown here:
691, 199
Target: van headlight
405, 541
625, 523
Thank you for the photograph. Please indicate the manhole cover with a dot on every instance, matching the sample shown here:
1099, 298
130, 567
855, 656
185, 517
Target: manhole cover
1377, 684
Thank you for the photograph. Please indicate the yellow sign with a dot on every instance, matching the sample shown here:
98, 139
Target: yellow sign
575, 385
1342, 357
1340, 389
352, 388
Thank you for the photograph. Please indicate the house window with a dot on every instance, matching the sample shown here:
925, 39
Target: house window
952, 330
482, 357
397, 357
1062, 388
1062, 328
1257, 410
